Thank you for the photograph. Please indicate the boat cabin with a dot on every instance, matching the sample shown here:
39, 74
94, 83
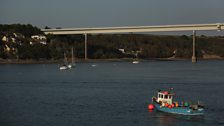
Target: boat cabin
165, 97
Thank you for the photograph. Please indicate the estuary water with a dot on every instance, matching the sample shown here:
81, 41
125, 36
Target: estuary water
108, 93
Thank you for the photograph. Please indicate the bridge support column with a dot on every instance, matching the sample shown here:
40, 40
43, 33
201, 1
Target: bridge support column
194, 40
86, 57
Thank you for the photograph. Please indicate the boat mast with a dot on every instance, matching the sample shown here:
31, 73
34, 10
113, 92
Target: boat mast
65, 59
72, 56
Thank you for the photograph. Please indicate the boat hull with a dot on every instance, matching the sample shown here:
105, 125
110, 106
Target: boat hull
71, 66
63, 68
135, 62
179, 110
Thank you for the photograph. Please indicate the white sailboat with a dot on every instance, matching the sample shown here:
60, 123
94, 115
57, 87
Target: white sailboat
64, 66
72, 64
135, 61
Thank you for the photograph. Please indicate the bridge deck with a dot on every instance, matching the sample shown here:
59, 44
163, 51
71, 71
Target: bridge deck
160, 28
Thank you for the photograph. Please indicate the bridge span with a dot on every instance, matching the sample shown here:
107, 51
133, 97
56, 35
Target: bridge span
137, 29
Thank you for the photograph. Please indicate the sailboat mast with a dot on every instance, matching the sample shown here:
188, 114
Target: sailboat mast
65, 59
72, 56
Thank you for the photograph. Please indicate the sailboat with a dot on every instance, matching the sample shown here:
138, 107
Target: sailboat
72, 64
64, 66
135, 61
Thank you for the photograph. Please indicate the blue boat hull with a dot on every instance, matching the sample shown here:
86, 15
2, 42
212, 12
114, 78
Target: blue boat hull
179, 110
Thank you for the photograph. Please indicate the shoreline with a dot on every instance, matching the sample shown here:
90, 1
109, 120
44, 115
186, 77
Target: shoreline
15, 61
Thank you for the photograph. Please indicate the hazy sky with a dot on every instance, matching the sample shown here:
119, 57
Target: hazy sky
100, 13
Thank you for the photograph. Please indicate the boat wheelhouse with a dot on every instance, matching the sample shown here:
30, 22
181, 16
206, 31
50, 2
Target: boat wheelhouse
165, 97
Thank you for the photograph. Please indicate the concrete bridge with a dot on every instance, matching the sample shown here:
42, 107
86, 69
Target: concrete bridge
138, 29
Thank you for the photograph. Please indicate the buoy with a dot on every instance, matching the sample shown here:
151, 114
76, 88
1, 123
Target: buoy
166, 104
150, 106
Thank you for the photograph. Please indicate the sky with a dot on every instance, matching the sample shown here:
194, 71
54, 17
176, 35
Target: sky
110, 13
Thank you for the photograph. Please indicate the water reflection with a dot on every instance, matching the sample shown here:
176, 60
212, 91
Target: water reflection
164, 119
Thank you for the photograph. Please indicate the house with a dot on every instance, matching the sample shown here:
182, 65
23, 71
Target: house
12, 37
9, 38
122, 50
18, 35
5, 39
38, 39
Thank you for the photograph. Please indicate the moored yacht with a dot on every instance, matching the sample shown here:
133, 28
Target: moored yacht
64, 66
72, 64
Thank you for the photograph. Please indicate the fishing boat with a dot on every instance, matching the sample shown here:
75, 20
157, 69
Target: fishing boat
164, 103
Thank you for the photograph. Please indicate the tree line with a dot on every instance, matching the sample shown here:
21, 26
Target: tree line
104, 46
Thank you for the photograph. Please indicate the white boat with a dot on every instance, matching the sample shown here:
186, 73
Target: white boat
135, 62
93, 65
64, 66
72, 64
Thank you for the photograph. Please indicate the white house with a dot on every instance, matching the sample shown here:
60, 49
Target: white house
122, 50
5, 39
38, 39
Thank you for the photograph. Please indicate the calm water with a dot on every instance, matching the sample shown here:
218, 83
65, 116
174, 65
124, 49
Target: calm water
109, 94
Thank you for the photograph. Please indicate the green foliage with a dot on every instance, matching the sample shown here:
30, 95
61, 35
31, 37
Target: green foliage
26, 30
107, 45
36, 52
148, 46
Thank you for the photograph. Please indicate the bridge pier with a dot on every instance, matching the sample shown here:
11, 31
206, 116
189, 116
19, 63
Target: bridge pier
86, 56
194, 59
